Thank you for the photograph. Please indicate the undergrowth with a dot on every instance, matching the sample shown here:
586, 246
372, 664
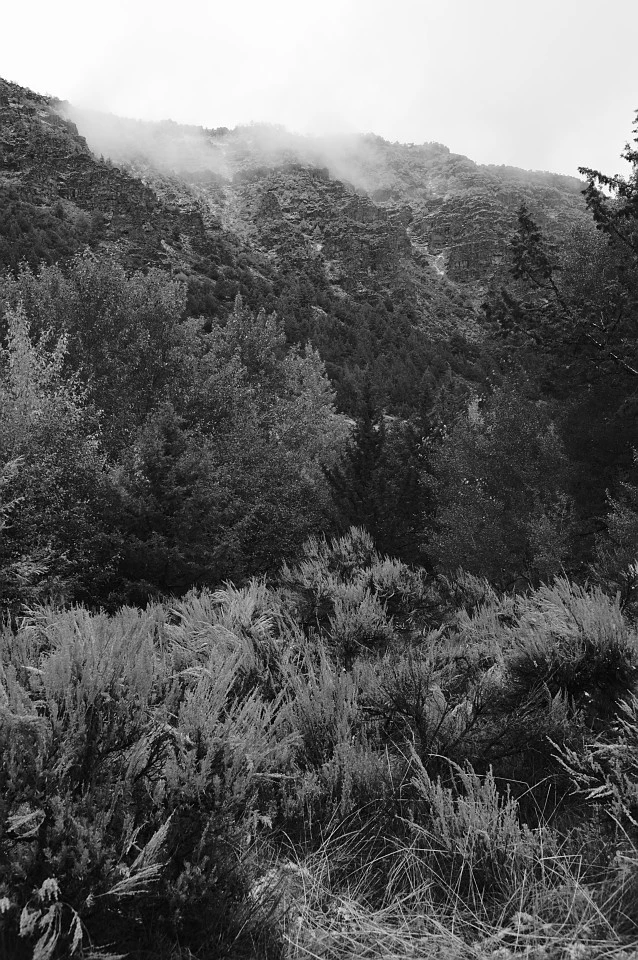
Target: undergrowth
353, 760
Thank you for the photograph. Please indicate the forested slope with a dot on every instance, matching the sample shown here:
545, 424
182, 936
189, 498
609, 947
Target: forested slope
318, 546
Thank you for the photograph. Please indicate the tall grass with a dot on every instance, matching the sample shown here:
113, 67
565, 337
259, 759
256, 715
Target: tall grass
339, 764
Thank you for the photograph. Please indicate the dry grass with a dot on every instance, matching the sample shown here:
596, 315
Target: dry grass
322, 914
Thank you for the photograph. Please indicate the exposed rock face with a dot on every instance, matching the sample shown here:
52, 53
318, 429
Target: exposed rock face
32, 131
302, 215
46, 163
356, 216
458, 208
375, 204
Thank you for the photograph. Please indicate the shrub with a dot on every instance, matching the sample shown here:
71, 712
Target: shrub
109, 758
358, 624
323, 708
576, 642
467, 837
419, 705
605, 771
250, 620
351, 594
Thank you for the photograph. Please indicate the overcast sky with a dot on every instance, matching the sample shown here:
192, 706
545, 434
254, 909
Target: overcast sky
547, 84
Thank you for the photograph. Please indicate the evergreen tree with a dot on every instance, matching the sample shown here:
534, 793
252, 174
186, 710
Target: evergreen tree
378, 485
568, 320
355, 480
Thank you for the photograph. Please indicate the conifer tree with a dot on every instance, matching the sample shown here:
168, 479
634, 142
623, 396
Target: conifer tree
355, 479
377, 483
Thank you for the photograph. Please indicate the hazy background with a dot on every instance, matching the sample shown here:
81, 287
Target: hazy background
551, 84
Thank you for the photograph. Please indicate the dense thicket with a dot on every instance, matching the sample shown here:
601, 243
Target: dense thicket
568, 316
143, 454
358, 759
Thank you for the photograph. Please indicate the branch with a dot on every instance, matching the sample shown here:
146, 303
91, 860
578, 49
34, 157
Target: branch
612, 356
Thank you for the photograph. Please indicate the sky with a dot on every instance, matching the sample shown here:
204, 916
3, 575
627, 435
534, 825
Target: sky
546, 84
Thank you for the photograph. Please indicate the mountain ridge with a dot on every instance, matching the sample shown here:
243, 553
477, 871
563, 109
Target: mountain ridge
456, 213
438, 185
377, 253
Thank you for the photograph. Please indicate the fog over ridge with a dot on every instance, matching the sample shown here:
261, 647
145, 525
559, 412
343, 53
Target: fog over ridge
367, 161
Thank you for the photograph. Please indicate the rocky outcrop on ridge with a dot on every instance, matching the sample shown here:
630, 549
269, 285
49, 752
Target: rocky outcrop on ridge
375, 252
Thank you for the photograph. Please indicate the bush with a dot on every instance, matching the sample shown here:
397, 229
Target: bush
109, 759
154, 764
574, 642
351, 594
467, 837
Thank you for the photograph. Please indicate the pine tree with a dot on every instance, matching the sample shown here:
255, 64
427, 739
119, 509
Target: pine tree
377, 483
355, 480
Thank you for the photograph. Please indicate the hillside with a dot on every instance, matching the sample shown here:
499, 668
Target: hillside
394, 261
57, 196
318, 548
378, 253
456, 214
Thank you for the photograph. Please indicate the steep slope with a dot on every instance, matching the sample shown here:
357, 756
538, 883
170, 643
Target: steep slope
450, 213
377, 253
462, 212
276, 192
57, 197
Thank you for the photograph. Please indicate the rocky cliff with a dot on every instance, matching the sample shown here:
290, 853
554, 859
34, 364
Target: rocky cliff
50, 180
372, 250
406, 201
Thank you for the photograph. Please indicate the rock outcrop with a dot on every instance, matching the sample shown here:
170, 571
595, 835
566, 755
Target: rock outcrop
372, 250
371, 205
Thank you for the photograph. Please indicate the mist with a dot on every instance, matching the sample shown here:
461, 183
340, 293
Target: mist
547, 87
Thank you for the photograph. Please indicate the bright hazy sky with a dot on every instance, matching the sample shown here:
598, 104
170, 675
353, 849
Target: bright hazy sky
547, 84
